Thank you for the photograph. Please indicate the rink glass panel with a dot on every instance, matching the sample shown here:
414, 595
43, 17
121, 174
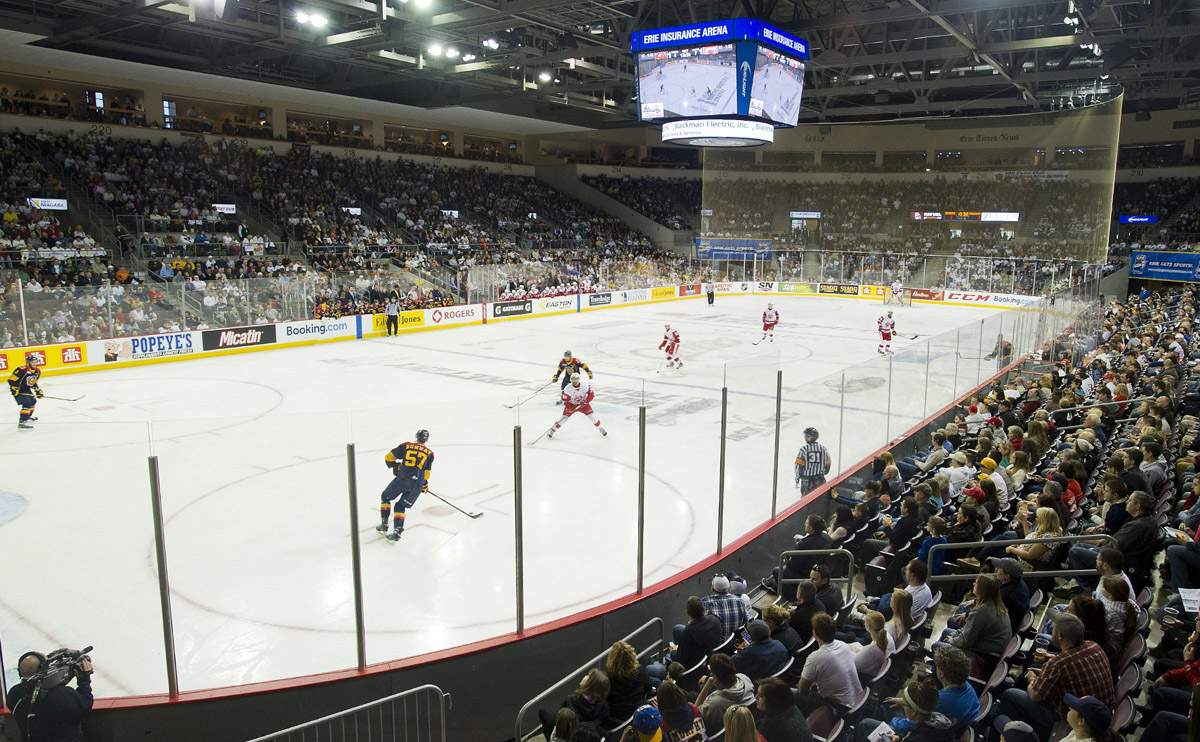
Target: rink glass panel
83, 581
257, 532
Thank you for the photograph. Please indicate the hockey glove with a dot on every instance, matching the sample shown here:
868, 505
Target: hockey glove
38, 393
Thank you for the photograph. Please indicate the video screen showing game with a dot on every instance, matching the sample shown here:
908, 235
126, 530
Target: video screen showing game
778, 85
695, 81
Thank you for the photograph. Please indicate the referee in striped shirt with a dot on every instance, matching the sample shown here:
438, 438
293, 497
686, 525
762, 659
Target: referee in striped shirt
812, 462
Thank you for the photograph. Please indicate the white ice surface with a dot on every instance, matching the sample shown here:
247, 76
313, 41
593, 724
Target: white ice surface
678, 83
252, 450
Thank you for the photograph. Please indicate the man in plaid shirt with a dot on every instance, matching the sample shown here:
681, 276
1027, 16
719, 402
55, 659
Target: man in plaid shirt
1081, 669
729, 609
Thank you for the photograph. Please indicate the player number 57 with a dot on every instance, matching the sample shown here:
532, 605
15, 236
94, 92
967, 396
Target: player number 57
411, 457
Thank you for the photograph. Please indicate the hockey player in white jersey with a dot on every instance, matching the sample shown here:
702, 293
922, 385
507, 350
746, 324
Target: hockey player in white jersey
887, 328
897, 296
670, 343
577, 398
770, 318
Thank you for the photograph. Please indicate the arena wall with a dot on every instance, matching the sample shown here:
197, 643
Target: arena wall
114, 353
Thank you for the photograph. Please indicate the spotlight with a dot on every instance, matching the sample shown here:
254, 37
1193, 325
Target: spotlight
301, 16
468, 57
423, 4
317, 20
557, 81
435, 50
452, 53
491, 44
544, 76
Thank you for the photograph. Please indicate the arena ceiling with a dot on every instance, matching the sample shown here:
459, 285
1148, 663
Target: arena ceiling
567, 60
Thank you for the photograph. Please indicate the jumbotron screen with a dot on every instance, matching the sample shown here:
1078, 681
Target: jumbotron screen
740, 67
778, 86
700, 81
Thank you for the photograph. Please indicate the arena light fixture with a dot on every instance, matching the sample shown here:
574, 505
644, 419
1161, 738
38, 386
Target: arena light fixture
451, 53
469, 58
491, 44
435, 50
316, 20
544, 76
423, 4
301, 16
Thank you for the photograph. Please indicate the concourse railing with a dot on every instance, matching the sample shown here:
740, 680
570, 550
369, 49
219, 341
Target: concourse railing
1091, 538
415, 715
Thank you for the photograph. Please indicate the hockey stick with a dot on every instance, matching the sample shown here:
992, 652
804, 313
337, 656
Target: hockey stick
64, 399
531, 396
908, 337
469, 513
543, 435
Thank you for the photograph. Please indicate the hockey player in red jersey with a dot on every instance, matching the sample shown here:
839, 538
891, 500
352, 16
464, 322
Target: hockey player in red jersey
670, 343
770, 319
577, 398
887, 328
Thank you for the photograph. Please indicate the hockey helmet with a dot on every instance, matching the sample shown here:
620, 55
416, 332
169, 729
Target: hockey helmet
889, 313
576, 378
566, 354
666, 327
770, 305
422, 436
811, 432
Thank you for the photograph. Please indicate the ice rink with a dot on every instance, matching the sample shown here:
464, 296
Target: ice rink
682, 86
252, 450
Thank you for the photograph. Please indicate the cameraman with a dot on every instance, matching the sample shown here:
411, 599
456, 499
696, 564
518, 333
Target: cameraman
57, 713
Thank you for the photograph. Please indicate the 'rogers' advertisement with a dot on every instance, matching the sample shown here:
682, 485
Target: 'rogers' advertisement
462, 315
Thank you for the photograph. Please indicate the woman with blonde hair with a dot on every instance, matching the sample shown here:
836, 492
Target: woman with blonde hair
987, 629
1047, 526
1036, 442
739, 725
869, 658
629, 685
901, 622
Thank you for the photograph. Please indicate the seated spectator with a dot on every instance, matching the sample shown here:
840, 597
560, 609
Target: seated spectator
894, 534
917, 704
1081, 668
780, 720
589, 702
869, 658
1138, 539
1014, 591
807, 606
987, 629
565, 724
826, 594
740, 725
777, 618
829, 675
936, 528
1089, 719
729, 609
646, 726
680, 717
723, 687
763, 656
798, 567
628, 682
915, 574
957, 700
693, 641
1120, 612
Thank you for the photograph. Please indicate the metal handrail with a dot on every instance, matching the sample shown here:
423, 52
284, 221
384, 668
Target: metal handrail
848, 579
443, 702
654, 647
1007, 542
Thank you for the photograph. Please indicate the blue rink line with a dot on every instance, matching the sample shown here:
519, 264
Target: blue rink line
11, 507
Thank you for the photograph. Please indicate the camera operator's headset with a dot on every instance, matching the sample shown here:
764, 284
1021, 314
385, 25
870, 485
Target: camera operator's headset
41, 658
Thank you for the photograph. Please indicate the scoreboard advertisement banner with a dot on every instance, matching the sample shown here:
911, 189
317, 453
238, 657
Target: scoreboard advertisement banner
1165, 266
